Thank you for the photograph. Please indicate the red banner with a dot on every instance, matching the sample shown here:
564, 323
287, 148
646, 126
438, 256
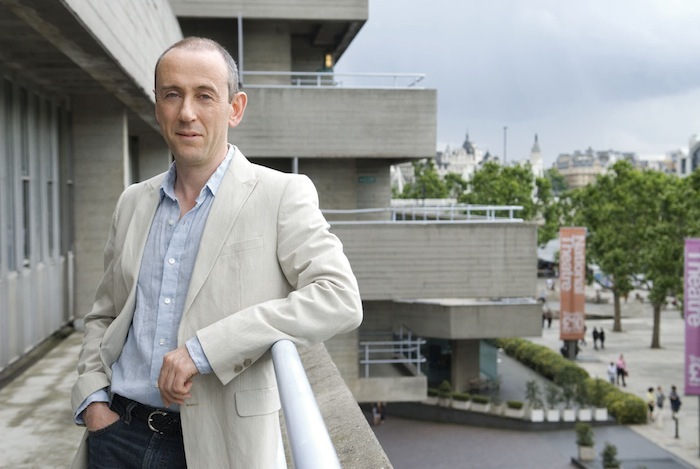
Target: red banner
572, 283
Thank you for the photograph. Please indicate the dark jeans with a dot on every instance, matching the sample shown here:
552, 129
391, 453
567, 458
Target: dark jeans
129, 443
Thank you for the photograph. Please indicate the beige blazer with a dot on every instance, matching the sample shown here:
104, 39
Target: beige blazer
267, 269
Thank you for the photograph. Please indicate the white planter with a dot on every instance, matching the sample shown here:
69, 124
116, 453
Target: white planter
569, 415
445, 401
461, 405
600, 414
586, 453
478, 407
514, 413
553, 415
585, 415
430, 400
537, 415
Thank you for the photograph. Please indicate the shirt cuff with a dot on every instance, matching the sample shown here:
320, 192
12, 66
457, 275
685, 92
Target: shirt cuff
194, 347
98, 396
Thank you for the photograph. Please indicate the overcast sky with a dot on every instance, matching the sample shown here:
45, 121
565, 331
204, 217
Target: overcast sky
609, 74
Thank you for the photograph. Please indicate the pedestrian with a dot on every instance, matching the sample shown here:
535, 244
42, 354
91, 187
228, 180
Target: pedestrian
622, 372
595, 338
650, 400
660, 398
583, 339
206, 266
376, 414
601, 337
612, 372
675, 401
548, 315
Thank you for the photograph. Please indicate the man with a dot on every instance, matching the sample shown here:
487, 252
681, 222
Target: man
206, 267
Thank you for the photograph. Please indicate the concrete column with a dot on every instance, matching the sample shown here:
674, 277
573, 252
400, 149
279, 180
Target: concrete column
465, 362
100, 168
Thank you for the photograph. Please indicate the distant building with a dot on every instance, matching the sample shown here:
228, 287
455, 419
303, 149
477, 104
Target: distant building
582, 168
687, 163
463, 161
536, 160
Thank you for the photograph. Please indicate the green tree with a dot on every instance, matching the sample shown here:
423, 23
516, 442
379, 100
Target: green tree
559, 184
610, 211
494, 184
456, 185
427, 185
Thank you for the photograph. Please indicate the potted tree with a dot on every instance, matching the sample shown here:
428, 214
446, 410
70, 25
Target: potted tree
581, 397
596, 397
567, 379
533, 396
432, 398
585, 442
609, 456
445, 394
553, 398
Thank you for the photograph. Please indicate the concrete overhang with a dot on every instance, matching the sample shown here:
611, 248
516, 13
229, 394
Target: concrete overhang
393, 389
464, 318
47, 44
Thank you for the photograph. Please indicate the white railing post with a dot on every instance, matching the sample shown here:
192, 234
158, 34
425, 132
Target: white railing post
309, 442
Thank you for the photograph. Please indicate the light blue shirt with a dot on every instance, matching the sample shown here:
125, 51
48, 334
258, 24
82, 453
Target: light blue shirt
164, 278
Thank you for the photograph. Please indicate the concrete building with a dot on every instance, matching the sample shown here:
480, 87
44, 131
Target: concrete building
77, 126
688, 162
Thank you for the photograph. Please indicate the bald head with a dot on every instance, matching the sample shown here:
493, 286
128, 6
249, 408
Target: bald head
203, 44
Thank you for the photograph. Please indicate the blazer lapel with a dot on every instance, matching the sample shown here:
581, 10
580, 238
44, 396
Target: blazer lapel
236, 187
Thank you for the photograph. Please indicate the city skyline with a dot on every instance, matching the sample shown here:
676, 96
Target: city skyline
620, 76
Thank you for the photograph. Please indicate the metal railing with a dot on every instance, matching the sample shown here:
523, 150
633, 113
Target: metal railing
456, 213
333, 80
404, 349
309, 442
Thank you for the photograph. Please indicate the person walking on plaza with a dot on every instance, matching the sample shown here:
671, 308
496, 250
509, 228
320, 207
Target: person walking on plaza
621, 366
206, 266
650, 400
675, 401
612, 372
595, 338
660, 399
601, 337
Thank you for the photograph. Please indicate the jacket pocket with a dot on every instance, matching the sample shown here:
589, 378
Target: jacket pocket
257, 402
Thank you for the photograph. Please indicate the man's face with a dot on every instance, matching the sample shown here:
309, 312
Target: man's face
193, 108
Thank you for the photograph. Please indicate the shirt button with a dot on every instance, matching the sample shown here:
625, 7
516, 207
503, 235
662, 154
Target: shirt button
171, 261
171, 222
166, 301
161, 341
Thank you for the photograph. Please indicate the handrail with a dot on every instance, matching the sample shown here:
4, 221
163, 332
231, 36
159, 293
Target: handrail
329, 79
309, 442
453, 213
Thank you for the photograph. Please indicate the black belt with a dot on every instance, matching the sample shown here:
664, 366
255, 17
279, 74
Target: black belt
163, 421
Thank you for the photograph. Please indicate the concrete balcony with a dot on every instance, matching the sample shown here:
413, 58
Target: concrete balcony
334, 122
432, 260
273, 9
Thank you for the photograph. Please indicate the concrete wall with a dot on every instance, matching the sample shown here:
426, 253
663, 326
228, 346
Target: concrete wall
100, 155
154, 156
133, 31
267, 46
287, 9
416, 260
470, 321
338, 123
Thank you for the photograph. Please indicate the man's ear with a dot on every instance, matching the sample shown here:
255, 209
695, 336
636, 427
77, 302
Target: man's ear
240, 100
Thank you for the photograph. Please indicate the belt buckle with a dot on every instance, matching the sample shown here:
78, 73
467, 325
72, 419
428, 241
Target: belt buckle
151, 419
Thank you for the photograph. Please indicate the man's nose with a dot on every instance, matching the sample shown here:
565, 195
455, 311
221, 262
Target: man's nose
187, 110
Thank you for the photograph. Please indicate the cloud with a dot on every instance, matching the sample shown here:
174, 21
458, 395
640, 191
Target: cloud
619, 74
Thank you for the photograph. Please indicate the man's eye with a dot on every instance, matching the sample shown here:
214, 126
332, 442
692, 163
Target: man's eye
172, 94
205, 97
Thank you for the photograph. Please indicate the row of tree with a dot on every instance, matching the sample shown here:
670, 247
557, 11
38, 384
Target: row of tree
636, 220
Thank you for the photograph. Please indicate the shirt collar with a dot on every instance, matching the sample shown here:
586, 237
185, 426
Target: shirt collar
167, 187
